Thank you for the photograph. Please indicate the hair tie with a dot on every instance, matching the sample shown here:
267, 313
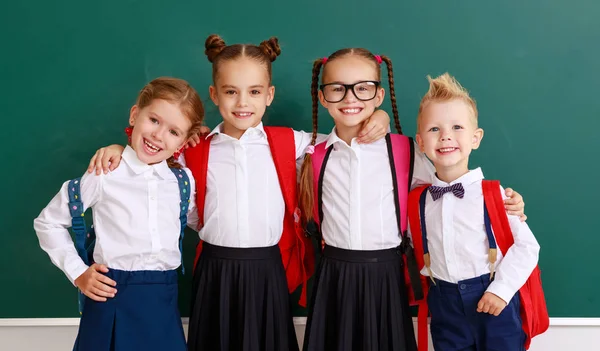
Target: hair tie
324, 60
310, 149
378, 58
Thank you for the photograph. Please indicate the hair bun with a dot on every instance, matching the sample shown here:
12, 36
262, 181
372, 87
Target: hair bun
213, 46
271, 48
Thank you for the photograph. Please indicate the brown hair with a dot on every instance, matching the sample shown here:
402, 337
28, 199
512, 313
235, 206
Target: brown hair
217, 52
306, 187
445, 88
176, 91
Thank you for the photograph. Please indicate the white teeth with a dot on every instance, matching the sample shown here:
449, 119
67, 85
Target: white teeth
150, 146
448, 149
244, 114
351, 110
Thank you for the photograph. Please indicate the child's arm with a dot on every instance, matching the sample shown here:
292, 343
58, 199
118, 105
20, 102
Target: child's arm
424, 173
513, 270
51, 228
374, 128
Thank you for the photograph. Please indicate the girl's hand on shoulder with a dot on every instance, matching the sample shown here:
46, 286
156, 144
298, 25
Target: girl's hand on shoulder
106, 159
195, 139
96, 285
514, 204
374, 128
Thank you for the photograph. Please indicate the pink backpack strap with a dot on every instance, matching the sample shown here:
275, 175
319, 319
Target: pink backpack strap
318, 159
402, 153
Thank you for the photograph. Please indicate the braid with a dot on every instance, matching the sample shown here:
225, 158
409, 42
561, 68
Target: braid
390, 70
314, 92
306, 198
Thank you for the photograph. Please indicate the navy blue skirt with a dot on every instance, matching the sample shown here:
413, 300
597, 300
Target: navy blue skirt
359, 302
240, 301
143, 315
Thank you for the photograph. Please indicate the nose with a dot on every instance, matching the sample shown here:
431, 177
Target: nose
242, 100
350, 97
445, 136
158, 133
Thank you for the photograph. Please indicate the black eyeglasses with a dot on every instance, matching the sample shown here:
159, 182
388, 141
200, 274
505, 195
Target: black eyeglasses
364, 90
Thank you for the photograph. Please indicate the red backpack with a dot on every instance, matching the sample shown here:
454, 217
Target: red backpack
297, 252
401, 154
534, 313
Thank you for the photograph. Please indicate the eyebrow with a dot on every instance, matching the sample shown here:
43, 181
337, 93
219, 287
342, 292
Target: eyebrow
234, 87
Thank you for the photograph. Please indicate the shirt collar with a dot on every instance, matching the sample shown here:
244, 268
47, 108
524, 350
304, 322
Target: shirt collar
467, 179
259, 128
139, 167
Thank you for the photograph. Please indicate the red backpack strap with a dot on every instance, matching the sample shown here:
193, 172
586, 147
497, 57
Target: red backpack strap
499, 219
296, 248
414, 218
196, 159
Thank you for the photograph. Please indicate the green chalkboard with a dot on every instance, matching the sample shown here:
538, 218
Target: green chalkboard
70, 71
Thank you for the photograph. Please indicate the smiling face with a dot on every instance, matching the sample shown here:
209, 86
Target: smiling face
447, 134
242, 92
350, 112
159, 130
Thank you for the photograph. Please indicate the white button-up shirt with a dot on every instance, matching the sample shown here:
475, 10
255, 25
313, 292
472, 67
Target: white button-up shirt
359, 212
458, 243
135, 210
244, 205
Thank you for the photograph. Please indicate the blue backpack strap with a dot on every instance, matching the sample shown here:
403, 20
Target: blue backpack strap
77, 221
84, 240
184, 192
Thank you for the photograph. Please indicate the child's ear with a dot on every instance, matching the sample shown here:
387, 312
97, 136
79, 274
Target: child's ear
477, 136
420, 142
133, 114
270, 95
379, 97
212, 92
322, 99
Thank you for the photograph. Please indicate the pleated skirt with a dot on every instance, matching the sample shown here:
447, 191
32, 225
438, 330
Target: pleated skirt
143, 315
240, 301
359, 303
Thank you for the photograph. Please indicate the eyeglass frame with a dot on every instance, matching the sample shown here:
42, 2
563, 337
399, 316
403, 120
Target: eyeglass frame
348, 87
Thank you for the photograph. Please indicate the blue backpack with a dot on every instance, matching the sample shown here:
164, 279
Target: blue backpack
85, 240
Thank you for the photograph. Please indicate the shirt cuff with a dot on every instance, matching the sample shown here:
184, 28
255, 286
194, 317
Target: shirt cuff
502, 291
74, 269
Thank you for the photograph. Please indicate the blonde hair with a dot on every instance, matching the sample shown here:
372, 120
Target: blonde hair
445, 88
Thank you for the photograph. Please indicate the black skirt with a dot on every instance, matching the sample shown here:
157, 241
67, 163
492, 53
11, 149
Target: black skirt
359, 302
240, 301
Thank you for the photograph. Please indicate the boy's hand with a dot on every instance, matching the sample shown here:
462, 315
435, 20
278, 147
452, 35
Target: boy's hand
374, 128
514, 204
105, 159
491, 304
95, 285
195, 139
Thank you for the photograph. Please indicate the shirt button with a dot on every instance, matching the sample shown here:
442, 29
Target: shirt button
463, 286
